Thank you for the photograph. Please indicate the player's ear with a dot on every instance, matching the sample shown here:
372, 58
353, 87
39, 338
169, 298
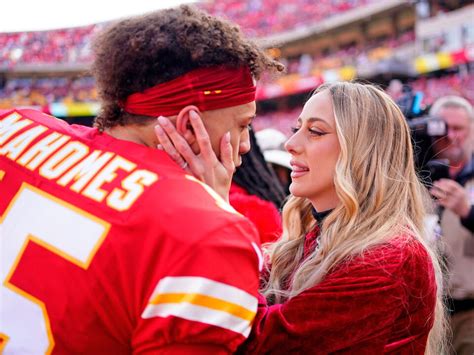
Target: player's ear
182, 120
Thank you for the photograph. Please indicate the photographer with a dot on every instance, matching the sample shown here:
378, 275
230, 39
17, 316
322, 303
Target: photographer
455, 196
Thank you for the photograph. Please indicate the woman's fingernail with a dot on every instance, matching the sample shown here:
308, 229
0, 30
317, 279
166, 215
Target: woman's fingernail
227, 137
162, 121
193, 115
159, 146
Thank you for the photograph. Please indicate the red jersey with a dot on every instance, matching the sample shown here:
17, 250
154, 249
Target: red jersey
109, 247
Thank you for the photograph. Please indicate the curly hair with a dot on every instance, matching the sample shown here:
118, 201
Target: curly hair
137, 53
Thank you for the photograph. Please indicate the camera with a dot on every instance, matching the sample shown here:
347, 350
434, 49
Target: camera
425, 130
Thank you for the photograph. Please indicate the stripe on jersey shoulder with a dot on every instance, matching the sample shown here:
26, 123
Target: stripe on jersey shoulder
203, 300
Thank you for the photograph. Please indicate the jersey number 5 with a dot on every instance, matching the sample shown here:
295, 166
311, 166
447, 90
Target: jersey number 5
34, 216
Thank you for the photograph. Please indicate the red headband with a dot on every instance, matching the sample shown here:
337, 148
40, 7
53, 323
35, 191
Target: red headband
207, 88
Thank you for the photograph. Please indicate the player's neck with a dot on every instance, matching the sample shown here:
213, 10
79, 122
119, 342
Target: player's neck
143, 134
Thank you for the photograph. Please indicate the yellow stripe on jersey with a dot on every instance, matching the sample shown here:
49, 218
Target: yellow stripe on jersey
205, 301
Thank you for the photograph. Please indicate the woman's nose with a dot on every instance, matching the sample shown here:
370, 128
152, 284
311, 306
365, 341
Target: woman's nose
292, 144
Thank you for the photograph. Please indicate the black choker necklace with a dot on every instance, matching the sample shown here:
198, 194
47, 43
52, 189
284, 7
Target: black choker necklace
319, 216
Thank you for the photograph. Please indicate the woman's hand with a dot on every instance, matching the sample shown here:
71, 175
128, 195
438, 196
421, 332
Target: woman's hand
205, 166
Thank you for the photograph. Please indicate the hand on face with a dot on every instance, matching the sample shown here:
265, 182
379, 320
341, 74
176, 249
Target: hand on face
451, 195
205, 165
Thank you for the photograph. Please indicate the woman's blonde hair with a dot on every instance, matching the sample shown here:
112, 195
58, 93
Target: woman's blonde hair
380, 197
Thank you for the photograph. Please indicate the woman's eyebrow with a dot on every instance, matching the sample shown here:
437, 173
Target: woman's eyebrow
316, 119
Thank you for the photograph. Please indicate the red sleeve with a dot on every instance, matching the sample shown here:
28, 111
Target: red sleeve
263, 214
353, 309
206, 300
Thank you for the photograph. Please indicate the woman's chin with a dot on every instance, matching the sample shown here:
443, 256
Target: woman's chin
296, 190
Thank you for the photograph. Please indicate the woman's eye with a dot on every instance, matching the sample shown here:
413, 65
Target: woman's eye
310, 130
315, 132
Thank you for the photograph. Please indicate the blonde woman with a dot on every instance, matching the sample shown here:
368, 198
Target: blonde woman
352, 272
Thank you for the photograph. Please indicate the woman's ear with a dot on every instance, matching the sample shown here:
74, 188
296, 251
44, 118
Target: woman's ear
182, 120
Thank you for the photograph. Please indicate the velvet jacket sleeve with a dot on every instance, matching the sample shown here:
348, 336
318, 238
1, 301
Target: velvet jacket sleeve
380, 302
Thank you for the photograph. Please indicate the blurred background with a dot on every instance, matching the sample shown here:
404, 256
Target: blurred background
424, 47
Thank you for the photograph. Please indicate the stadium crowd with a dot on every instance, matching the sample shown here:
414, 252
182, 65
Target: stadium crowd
72, 45
279, 17
59, 46
47, 90
431, 87
452, 84
44, 91
353, 54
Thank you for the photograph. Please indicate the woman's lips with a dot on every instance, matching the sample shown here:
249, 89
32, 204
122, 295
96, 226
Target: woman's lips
298, 169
